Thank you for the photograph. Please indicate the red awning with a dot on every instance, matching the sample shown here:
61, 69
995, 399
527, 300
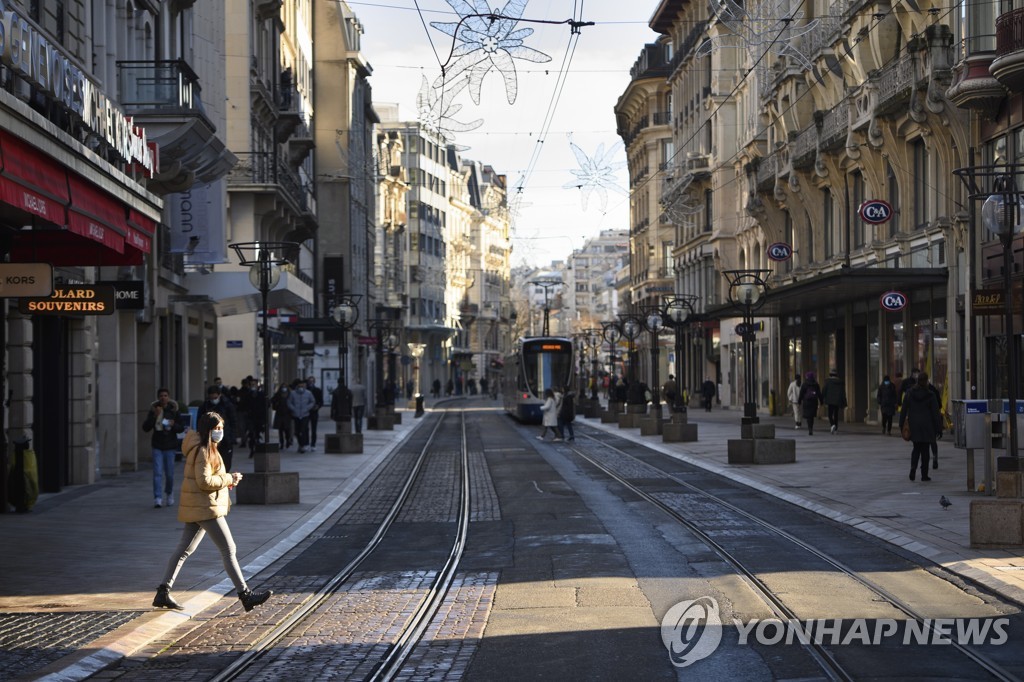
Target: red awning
140, 231
96, 215
31, 181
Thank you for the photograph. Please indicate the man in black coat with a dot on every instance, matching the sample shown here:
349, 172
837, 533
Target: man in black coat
222, 405
314, 415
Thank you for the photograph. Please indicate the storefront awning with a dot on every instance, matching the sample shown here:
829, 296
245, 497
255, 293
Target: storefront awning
67, 220
836, 288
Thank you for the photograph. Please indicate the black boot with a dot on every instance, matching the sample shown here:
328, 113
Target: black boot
251, 600
164, 600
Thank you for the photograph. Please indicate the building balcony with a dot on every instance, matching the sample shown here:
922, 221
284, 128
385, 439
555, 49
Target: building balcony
162, 97
895, 86
1008, 65
973, 86
265, 174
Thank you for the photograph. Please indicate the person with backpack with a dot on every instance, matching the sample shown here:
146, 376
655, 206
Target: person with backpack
810, 399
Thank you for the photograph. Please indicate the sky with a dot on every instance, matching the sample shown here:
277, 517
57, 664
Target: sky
569, 99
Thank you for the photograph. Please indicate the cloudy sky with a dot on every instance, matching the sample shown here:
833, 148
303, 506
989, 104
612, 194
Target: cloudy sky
567, 99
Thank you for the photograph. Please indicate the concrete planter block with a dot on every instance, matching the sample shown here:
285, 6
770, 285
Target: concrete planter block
651, 426
674, 432
761, 451
757, 430
740, 450
269, 488
266, 458
609, 417
343, 444
626, 421
997, 523
636, 409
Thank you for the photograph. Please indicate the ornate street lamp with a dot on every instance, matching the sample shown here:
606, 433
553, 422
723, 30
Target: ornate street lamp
1002, 214
345, 315
631, 328
611, 333
747, 289
264, 260
593, 337
654, 323
382, 327
678, 309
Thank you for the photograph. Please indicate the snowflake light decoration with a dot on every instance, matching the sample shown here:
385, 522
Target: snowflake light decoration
762, 26
488, 40
679, 203
596, 174
437, 109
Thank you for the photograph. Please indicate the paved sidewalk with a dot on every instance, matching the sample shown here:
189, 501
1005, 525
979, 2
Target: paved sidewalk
860, 477
104, 547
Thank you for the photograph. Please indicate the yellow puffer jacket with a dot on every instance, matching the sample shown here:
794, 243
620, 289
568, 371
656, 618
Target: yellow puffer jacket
204, 494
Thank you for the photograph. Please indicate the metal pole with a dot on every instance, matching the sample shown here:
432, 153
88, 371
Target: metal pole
267, 356
655, 377
1011, 346
749, 405
680, 375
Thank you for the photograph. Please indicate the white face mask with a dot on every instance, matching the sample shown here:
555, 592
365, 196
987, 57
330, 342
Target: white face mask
217, 435
215, 401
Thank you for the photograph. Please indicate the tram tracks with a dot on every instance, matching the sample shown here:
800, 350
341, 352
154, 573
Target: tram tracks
419, 617
649, 483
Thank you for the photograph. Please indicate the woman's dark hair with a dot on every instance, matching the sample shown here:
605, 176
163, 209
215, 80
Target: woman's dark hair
922, 379
549, 393
207, 422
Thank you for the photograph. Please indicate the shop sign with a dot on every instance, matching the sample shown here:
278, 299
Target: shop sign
988, 302
129, 294
875, 211
234, 343
893, 301
25, 279
780, 251
29, 54
366, 340
77, 299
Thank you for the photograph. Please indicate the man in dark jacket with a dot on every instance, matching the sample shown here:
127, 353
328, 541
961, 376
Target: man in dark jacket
921, 408
314, 415
833, 394
222, 405
163, 421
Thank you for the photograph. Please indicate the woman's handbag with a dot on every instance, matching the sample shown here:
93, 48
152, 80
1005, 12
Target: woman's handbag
905, 429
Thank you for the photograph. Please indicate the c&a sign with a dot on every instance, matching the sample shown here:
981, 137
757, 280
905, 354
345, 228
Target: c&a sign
76, 299
893, 301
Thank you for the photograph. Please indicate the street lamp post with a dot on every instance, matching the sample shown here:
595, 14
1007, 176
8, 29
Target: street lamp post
654, 323
382, 327
594, 344
747, 289
678, 309
345, 315
611, 333
631, 328
416, 349
264, 260
1002, 214
267, 484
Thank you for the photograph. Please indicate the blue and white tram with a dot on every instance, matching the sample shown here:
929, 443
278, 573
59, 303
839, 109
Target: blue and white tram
539, 363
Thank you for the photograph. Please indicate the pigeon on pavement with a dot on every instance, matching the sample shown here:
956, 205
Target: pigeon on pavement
944, 501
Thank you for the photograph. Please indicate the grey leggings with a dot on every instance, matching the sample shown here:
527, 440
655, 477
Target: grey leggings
192, 535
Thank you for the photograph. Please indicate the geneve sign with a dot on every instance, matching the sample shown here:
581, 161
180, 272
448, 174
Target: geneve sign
893, 301
875, 211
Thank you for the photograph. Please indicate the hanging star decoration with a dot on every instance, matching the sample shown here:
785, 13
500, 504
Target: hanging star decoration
596, 174
488, 40
679, 203
763, 26
437, 109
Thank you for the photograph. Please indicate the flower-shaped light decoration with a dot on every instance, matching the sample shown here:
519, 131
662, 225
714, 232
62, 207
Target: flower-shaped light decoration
763, 26
596, 174
488, 40
437, 109
679, 203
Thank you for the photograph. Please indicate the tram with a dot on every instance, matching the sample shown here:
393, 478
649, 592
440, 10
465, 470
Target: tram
539, 363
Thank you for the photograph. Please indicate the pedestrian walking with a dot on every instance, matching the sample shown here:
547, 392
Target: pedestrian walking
707, 392
887, 398
834, 397
670, 390
435, 388
549, 415
282, 417
793, 396
935, 441
217, 402
358, 404
905, 385
203, 508
921, 409
301, 404
567, 415
810, 398
314, 414
162, 420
